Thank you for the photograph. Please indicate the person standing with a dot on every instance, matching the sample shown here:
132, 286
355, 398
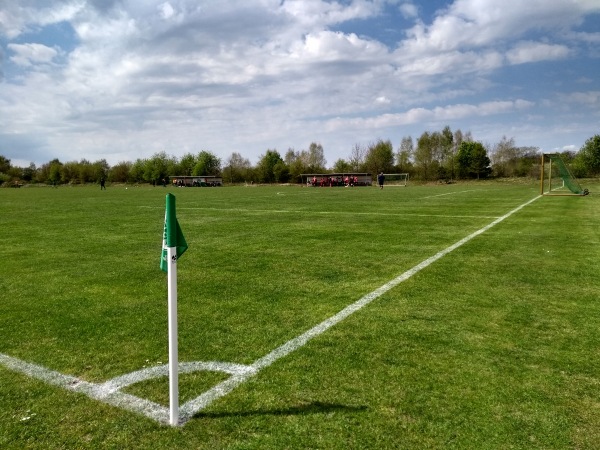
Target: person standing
380, 180
102, 184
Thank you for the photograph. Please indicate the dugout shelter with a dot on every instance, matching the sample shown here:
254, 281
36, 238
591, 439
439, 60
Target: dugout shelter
337, 179
197, 181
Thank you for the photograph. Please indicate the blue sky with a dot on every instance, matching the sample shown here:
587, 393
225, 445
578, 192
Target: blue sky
123, 79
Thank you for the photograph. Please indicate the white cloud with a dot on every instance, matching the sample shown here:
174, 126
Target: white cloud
590, 98
166, 10
322, 13
24, 15
438, 114
409, 10
31, 54
459, 62
335, 46
527, 52
480, 23
383, 100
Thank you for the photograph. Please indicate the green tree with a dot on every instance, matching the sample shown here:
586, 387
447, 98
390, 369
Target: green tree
186, 165
528, 162
4, 164
297, 163
589, 155
357, 157
207, 164
380, 157
404, 155
481, 162
159, 167
137, 171
266, 166
54, 172
69, 172
424, 157
472, 160
342, 166
29, 172
237, 168
281, 172
100, 170
505, 158
119, 173
447, 147
83, 172
316, 158
15, 173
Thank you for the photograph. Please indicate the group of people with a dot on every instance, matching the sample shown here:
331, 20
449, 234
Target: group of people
347, 181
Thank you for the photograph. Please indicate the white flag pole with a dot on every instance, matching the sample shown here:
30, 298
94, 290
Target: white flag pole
173, 356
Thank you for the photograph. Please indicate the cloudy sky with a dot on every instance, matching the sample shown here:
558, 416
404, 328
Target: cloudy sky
124, 79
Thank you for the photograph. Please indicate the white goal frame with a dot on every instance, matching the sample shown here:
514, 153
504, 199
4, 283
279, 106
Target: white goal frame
402, 179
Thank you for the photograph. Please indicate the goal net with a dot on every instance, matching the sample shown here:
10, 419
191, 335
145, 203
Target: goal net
557, 179
396, 179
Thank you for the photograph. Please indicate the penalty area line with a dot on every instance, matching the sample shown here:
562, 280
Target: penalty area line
220, 390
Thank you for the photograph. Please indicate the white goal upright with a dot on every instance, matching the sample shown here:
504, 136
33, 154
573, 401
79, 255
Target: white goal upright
396, 179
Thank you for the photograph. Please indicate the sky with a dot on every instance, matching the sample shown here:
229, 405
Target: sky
124, 79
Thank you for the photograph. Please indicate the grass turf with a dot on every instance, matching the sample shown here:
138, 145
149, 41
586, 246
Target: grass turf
493, 346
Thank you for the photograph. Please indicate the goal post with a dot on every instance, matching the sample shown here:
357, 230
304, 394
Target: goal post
396, 179
556, 178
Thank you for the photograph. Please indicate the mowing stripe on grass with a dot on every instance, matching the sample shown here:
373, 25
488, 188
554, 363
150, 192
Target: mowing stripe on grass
332, 213
109, 392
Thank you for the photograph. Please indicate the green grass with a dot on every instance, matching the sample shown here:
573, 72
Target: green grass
496, 345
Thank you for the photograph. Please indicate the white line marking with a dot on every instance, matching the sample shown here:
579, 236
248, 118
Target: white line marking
162, 371
451, 193
132, 403
109, 392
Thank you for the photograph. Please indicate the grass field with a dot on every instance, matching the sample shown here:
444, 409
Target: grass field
495, 344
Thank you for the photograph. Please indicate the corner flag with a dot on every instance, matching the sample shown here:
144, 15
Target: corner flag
172, 234
174, 246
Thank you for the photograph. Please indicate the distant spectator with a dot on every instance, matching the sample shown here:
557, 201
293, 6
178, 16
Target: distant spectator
102, 184
381, 180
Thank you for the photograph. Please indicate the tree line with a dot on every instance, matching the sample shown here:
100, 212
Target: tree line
439, 155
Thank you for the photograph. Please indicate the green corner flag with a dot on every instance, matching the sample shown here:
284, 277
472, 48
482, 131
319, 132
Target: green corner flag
172, 234
174, 246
